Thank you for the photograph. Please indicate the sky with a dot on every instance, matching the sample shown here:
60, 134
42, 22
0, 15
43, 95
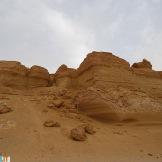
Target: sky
54, 32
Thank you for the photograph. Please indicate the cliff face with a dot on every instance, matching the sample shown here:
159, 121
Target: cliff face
63, 76
111, 89
105, 86
14, 74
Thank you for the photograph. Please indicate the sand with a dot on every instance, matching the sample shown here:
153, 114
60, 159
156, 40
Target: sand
24, 138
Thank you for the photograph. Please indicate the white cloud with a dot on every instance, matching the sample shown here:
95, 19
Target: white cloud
50, 33
73, 40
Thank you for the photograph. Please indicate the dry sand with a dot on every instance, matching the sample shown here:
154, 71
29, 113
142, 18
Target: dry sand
24, 138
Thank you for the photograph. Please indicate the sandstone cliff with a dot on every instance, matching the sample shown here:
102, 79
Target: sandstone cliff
105, 86
14, 74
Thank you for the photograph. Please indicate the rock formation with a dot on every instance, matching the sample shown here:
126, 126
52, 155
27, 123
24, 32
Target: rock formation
38, 77
104, 86
63, 76
14, 74
145, 64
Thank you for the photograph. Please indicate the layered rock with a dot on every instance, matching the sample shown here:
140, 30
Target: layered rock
102, 68
102, 59
38, 77
144, 69
14, 74
105, 86
145, 64
63, 76
13, 67
111, 90
118, 104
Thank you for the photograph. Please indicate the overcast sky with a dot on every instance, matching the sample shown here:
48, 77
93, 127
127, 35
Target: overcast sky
54, 32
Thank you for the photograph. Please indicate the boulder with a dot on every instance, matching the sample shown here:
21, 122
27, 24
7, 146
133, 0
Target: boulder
88, 128
78, 134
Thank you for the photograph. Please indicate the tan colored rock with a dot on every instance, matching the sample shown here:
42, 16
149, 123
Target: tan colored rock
39, 72
63, 76
144, 64
64, 71
38, 77
104, 86
96, 104
102, 59
14, 74
13, 67
58, 103
51, 123
88, 128
78, 134
4, 108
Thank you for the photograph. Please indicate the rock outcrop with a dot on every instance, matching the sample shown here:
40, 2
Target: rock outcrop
14, 74
112, 90
102, 59
38, 77
63, 76
104, 86
145, 64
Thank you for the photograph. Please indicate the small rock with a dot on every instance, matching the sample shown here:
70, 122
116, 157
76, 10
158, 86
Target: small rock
78, 134
58, 103
88, 128
119, 133
4, 108
149, 154
51, 106
51, 123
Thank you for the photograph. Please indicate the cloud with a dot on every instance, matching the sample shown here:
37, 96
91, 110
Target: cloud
50, 33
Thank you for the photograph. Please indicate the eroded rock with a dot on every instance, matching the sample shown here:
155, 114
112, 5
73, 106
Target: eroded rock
144, 64
78, 134
4, 108
51, 123
58, 103
89, 128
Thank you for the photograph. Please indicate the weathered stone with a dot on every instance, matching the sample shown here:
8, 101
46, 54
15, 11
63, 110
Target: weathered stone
51, 123
4, 108
78, 134
144, 64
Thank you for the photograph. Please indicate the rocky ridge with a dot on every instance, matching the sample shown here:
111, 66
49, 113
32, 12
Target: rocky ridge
104, 86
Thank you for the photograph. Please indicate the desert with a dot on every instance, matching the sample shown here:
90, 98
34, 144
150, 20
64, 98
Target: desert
106, 110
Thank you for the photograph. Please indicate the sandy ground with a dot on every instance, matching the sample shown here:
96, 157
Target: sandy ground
24, 138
